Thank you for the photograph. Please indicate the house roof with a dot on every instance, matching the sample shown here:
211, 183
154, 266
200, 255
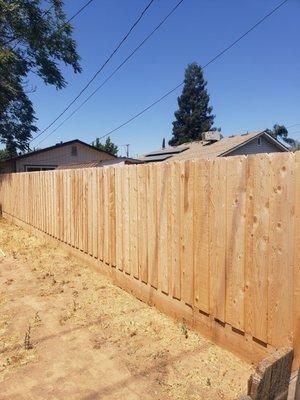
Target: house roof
56, 146
203, 149
93, 164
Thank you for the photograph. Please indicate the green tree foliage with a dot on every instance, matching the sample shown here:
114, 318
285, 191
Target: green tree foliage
4, 155
193, 116
281, 132
296, 146
32, 39
108, 146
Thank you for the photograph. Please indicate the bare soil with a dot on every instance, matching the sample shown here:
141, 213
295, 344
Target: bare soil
66, 332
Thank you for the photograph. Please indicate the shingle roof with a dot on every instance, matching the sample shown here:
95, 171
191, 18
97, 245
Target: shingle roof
204, 150
93, 164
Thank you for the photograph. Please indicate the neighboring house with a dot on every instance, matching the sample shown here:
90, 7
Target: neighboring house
214, 145
62, 154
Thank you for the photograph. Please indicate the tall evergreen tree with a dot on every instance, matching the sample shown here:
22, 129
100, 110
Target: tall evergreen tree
34, 38
193, 116
108, 146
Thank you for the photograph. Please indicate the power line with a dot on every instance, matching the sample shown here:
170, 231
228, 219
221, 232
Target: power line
115, 71
99, 70
211, 61
77, 13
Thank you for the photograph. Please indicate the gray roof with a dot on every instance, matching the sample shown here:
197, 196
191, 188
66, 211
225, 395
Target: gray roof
155, 157
203, 149
167, 150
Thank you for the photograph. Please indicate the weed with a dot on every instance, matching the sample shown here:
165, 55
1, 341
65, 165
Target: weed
37, 319
27, 340
75, 305
184, 330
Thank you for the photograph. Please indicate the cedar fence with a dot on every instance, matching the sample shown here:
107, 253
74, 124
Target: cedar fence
214, 243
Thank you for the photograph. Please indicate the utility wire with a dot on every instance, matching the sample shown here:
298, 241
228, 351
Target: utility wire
206, 65
115, 71
77, 13
99, 70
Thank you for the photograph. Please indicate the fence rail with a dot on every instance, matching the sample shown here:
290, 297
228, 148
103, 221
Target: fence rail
214, 242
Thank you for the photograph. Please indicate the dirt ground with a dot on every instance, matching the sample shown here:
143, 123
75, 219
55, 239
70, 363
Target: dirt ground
67, 333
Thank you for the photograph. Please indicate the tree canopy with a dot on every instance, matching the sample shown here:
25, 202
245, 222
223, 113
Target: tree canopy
108, 146
281, 132
32, 40
3, 155
194, 115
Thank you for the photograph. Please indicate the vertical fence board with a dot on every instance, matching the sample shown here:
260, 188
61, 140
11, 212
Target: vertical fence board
152, 225
235, 232
217, 237
142, 222
201, 236
296, 257
257, 246
106, 229
80, 209
162, 225
90, 228
112, 216
119, 219
85, 206
133, 207
187, 284
95, 212
175, 222
126, 220
100, 202
280, 272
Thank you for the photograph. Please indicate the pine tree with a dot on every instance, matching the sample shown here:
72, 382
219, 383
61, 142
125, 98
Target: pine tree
108, 146
194, 114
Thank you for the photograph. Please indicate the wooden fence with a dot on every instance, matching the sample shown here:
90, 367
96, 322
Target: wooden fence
215, 243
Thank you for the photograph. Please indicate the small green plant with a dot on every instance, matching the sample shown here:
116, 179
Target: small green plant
184, 330
27, 340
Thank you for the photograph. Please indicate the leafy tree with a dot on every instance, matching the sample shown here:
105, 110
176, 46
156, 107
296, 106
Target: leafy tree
32, 39
4, 155
108, 146
193, 116
296, 146
281, 132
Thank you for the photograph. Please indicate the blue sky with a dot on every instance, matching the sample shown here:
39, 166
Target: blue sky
253, 86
